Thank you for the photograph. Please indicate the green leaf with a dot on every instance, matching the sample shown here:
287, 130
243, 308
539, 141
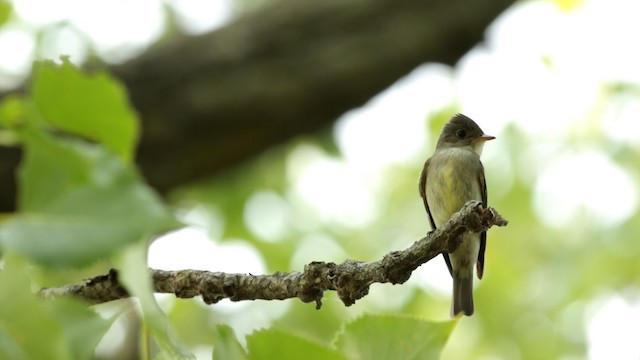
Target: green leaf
226, 345
91, 106
277, 344
134, 275
5, 11
31, 328
11, 114
79, 203
9, 347
23, 316
396, 337
82, 327
11, 109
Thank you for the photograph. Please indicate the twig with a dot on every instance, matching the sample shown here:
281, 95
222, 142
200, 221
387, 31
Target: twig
351, 279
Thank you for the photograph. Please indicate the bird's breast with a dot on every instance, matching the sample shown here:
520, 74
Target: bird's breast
452, 180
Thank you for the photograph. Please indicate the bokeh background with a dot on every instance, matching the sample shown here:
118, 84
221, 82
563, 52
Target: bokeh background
558, 84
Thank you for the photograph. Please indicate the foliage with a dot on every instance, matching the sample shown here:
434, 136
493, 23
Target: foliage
84, 207
368, 337
82, 201
33, 329
410, 339
5, 11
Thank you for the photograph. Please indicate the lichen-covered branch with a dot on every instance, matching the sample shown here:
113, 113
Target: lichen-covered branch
350, 279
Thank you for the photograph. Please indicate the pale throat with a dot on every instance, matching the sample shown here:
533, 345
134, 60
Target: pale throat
477, 146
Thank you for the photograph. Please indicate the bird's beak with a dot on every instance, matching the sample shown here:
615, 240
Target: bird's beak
484, 137
478, 143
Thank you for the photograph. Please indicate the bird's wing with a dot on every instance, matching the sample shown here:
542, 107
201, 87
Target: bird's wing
422, 188
483, 235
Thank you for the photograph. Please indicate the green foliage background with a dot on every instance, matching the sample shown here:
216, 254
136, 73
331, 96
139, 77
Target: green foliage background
82, 201
83, 207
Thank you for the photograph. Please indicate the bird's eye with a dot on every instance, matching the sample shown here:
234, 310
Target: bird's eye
461, 133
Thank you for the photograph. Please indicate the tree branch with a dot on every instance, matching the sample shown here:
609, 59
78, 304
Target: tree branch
351, 279
290, 68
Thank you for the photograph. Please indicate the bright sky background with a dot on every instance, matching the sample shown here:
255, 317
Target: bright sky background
585, 49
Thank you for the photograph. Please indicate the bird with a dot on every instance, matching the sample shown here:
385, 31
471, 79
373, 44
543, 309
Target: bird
450, 178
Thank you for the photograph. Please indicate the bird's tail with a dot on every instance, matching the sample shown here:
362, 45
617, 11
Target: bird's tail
462, 296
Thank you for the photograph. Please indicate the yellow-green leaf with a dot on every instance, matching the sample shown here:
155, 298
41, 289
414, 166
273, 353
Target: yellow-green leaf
94, 106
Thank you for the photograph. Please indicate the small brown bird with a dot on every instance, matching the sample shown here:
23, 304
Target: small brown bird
451, 177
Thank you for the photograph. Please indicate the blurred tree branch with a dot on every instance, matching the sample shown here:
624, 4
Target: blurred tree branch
351, 279
212, 101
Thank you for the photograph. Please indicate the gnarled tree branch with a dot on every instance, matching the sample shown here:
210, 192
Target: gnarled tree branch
290, 68
351, 279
